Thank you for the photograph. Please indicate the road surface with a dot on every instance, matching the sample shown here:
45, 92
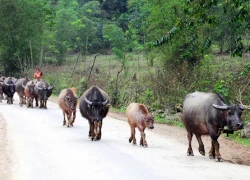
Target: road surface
43, 149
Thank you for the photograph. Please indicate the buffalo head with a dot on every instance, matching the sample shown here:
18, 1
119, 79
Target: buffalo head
232, 115
96, 108
71, 102
44, 91
149, 121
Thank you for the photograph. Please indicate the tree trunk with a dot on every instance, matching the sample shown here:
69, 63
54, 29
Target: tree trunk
31, 55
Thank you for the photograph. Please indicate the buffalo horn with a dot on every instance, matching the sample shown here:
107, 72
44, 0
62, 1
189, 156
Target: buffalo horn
225, 107
89, 102
50, 87
105, 102
6, 84
242, 107
23, 86
39, 88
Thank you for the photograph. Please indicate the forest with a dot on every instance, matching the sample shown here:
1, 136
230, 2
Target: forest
149, 51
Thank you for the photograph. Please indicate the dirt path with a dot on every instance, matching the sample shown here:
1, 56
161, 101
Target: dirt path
230, 150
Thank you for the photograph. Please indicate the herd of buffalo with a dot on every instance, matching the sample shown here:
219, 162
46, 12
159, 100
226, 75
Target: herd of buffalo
204, 113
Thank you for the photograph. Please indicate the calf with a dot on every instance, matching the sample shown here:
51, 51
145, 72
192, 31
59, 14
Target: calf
138, 116
67, 102
29, 92
207, 114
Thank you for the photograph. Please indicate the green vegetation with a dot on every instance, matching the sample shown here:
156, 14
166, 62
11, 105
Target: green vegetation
236, 136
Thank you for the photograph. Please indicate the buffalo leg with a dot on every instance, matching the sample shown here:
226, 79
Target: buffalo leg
99, 134
21, 101
45, 104
132, 137
91, 131
217, 152
41, 104
74, 116
143, 141
212, 151
64, 121
69, 118
190, 150
36, 99
201, 145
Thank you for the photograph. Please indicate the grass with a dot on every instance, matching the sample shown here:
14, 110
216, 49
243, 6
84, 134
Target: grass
236, 136
161, 120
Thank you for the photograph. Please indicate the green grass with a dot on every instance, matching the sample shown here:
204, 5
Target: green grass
121, 110
167, 121
236, 136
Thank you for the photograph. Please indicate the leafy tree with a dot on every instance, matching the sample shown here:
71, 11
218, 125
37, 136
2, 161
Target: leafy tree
66, 13
22, 24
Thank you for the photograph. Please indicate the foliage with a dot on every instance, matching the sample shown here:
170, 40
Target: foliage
236, 136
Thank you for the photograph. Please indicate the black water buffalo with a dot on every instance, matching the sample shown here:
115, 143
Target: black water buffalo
20, 85
1, 87
9, 89
43, 91
208, 114
1, 91
94, 106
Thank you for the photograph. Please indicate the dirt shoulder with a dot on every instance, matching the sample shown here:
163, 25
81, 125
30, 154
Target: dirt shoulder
230, 150
6, 161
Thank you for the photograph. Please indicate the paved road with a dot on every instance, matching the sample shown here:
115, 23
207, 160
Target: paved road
45, 150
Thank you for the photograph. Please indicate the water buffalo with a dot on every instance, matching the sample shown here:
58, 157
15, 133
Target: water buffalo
43, 91
67, 102
74, 89
20, 84
94, 106
29, 92
1, 91
9, 89
1, 87
208, 114
138, 116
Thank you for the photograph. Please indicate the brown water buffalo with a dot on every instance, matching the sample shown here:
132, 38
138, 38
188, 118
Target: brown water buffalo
9, 89
138, 116
94, 106
67, 101
20, 85
208, 114
74, 89
43, 91
29, 92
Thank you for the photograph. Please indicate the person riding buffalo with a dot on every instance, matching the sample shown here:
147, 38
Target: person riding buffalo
38, 74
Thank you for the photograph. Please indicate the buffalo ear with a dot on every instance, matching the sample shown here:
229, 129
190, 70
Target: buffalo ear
221, 108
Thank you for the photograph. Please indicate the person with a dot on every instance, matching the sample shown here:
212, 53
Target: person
38, 74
